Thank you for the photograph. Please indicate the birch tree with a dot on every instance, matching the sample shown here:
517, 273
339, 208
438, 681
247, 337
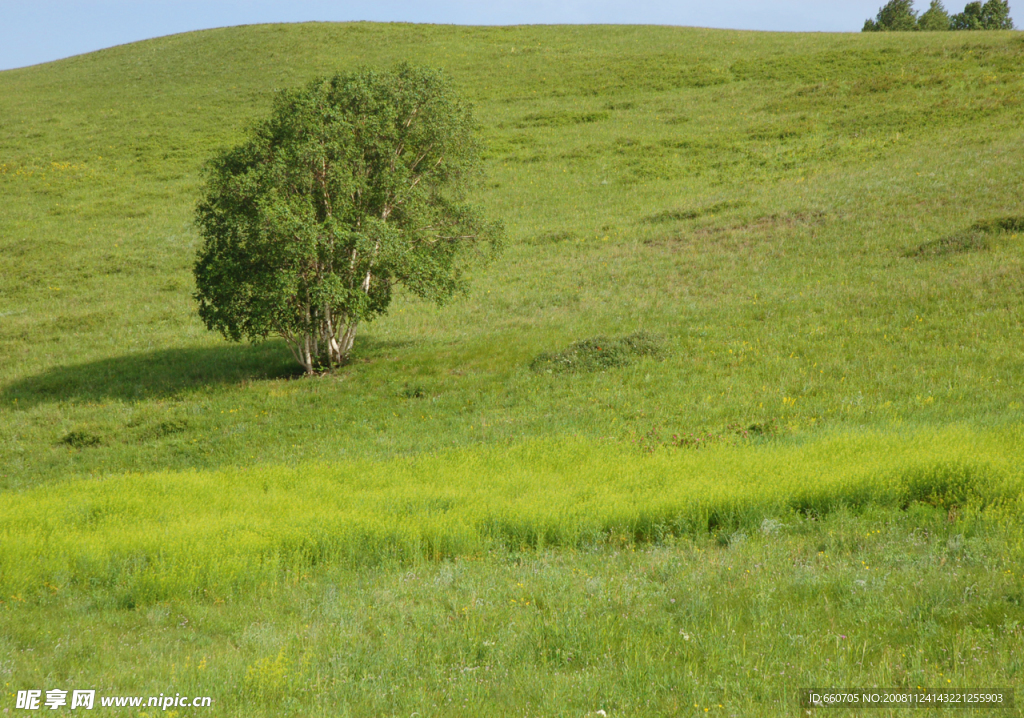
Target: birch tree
354, 185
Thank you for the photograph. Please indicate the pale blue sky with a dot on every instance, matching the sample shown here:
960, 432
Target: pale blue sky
34, 31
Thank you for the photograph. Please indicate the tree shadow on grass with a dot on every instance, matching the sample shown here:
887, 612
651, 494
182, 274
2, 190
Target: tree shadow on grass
153, 375
171, 372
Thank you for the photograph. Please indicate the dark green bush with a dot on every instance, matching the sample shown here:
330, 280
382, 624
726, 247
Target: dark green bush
597, 354
1002, 224
413, 392
81, 440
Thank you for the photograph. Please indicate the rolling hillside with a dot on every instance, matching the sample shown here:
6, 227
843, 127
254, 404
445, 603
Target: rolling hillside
751, 199
817, 242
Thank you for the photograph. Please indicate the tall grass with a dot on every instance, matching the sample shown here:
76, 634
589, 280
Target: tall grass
141, 538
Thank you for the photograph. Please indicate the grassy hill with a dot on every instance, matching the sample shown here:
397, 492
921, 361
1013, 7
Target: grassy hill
750, 198
820, 237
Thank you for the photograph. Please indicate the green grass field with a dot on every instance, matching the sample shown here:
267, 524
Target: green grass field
809, 477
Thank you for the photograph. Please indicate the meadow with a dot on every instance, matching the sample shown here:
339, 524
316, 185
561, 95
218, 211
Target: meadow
757, 327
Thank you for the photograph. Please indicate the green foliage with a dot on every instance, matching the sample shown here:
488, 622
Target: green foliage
899, 15
935, 18
993, 15
970, 18
354, 186
596, 354
894, 16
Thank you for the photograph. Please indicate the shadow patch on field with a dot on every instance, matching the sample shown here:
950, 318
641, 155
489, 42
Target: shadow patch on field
820, 66
976, 238
165, 373
765, 223
782, 131
369, 349
679, 215
545, 238
647, 72
559, 119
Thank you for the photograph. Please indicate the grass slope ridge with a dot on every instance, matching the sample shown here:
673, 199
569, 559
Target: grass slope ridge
152, 537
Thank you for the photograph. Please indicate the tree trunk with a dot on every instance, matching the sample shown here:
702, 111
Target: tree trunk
307, 357
344, 345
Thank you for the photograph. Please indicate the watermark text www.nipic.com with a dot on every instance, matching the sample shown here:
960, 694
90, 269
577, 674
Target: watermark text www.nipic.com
75, 700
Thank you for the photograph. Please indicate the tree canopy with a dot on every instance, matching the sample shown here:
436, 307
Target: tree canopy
354, 185
895, 15
993, 15
899, 15
934, 19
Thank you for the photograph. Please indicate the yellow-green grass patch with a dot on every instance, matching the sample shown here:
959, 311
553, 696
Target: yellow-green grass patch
146, 537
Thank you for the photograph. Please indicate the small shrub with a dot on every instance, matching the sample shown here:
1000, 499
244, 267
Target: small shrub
414, 392
596, 354
81, 440
1001, 224
158, 431
764, 428
174, 426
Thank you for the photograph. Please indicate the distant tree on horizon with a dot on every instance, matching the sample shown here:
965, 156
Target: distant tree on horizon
993, 15
900, 16
894, 16
935, 18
